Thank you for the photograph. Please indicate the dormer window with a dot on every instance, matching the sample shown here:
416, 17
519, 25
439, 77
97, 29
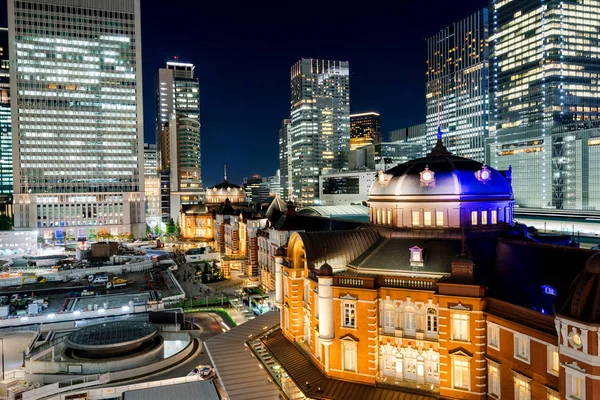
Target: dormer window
416, 256
549, 290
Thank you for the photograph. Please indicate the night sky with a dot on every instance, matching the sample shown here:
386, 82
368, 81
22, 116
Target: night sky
243, 52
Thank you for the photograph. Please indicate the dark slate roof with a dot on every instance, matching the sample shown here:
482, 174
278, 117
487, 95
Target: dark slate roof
583, 298
198, 208
199, 390
341, 246
393, 255
522, 269
226, 209
276, 210
313, 224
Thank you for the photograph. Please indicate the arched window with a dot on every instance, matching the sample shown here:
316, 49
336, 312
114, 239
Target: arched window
409, 320
432, 321
388, 318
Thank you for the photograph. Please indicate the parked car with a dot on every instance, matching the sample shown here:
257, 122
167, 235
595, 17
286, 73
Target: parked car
205, 371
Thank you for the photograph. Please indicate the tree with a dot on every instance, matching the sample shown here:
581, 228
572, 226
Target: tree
6, 223
171, 228
104, 234
129, 236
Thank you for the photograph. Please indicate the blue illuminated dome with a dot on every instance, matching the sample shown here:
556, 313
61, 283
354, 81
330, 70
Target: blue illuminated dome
443, 174
441, 191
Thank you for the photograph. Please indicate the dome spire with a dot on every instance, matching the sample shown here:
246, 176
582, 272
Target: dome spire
225, 172
439, 149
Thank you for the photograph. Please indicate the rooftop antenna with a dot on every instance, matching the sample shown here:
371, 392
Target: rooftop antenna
439, 130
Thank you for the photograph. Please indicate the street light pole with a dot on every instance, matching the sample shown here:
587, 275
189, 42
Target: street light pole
2, 339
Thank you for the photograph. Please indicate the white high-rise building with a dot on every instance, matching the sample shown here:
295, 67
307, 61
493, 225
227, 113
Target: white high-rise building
178, 136
320, 124
77, 116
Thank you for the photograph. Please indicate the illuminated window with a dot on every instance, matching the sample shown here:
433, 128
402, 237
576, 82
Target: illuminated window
349, 355
552, 395
460, 373
416, 218
493, 379
416, 256
484, 217
349, 314
522, 388
473, 217
553, 361
460, 326
493, 336
575, 382
439, 218
521, 347
388, 318
494, 217
409, 320
427, 218
432, 321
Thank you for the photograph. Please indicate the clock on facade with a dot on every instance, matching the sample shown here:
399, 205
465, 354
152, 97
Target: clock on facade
427, 177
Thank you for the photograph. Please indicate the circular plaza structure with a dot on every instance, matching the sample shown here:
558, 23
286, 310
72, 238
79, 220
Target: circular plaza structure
112, 339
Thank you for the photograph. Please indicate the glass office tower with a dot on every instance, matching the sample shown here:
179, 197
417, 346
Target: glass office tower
457, 86
545, 101
178, 135
320, 127
6, 170
76, 100
285, 160
365, 129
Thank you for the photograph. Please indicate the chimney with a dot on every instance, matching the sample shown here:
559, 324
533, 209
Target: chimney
462, 267
291, 209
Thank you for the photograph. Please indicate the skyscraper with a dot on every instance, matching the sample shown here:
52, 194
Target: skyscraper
6, 170
76, 101
285, 159
365, 128
176, 92
457, 86
151, 184
320, 124
179, 154
178, 136
545, 107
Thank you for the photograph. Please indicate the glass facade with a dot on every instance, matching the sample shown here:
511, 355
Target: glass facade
544, 100
285, 161
76, 111
341, 185
6, 168
457, 86
178, 136
320, 124
151, 181
365, 129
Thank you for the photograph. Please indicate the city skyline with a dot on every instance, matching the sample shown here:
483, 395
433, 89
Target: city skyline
220, 43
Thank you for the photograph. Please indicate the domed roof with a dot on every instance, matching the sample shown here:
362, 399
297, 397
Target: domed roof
326, 270
441, 173
583, 299
225, 185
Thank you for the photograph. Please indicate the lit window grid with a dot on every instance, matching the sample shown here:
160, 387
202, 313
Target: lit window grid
50, 74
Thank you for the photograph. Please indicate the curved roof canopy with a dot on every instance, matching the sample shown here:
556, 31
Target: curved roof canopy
349, 212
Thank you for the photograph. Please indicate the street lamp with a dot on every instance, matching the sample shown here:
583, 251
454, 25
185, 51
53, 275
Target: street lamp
2, 340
